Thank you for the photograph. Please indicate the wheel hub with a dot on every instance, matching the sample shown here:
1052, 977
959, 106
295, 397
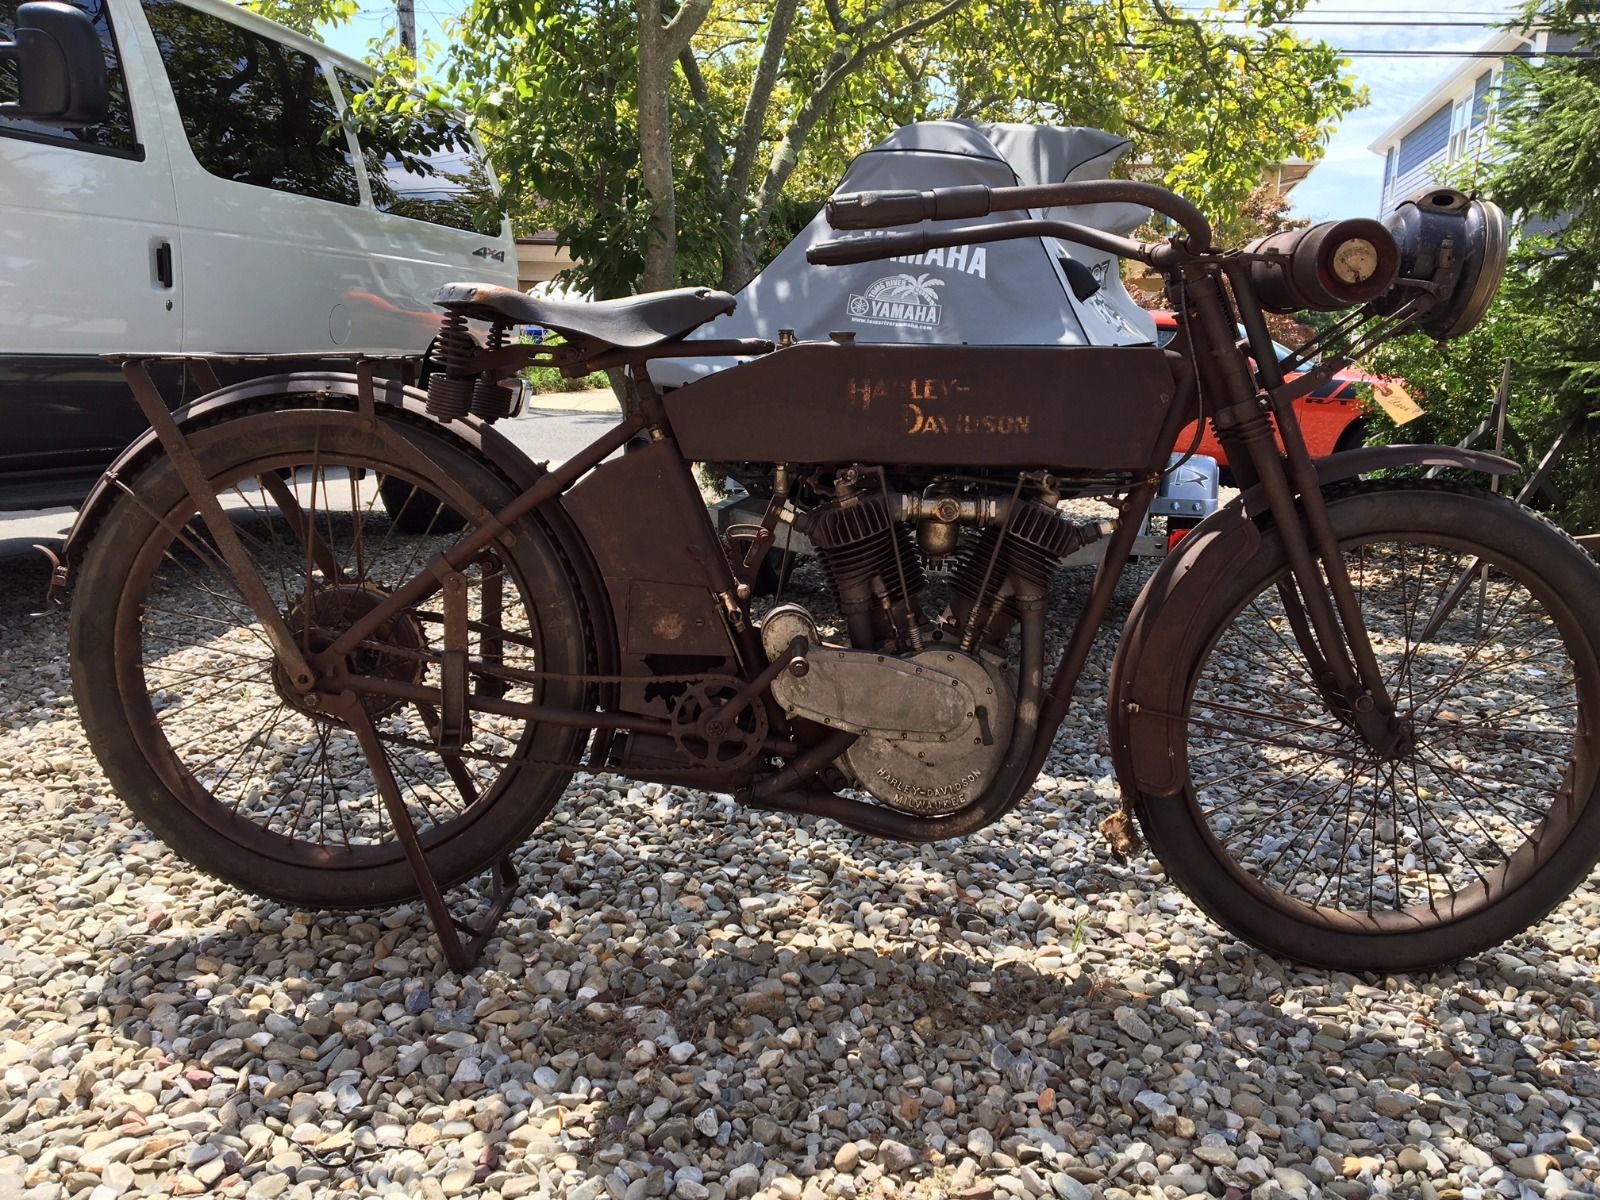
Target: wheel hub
391, 651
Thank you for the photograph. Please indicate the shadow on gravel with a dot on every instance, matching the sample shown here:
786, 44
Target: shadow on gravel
809, 1050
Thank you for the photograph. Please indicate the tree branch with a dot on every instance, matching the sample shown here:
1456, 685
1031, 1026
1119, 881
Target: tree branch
1203, 48
708, 130
683, 25
754, 118
840, 65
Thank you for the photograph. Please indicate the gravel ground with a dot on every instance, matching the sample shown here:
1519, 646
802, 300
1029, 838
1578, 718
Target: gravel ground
697, 1001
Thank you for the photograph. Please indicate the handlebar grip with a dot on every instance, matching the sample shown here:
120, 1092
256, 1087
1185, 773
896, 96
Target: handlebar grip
874, 210
841, 252
879, 210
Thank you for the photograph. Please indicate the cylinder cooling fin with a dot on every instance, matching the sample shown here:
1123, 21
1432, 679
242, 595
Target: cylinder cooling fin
1030, 547
872, 563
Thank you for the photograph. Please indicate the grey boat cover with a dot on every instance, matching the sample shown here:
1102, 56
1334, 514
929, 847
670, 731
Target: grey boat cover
1005, 293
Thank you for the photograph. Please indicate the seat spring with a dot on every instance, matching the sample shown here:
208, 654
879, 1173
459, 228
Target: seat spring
450, 389
491, 399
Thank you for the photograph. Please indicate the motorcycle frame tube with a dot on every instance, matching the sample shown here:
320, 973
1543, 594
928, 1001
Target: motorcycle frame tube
458, 557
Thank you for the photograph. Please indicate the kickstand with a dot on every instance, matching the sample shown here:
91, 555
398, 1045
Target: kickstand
460, 941
469, 947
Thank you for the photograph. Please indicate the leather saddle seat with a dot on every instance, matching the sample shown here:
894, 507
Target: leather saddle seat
632, 323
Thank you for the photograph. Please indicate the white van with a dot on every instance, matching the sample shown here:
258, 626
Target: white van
218, 208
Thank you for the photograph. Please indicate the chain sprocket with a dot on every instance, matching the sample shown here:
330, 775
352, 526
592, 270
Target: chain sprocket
708, 736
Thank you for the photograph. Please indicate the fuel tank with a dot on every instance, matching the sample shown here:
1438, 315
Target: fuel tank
1081, 408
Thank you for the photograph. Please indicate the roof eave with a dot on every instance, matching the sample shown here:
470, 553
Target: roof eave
1501, 43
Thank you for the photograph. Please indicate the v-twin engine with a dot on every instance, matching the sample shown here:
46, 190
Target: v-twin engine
934, 726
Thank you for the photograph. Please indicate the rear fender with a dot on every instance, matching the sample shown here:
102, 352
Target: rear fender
336, 389
1162, 637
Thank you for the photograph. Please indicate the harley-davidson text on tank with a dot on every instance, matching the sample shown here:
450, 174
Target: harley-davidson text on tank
936, 405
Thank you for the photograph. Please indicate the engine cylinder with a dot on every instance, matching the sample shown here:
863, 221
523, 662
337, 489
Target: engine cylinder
1031, 544
871, 562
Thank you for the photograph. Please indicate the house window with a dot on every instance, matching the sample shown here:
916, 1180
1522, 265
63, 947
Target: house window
1460, 124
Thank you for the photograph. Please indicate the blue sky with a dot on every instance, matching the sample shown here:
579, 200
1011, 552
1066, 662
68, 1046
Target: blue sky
1349, 178
1346, 182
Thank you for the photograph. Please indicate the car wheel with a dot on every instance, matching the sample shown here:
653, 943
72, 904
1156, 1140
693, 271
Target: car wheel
1353, 437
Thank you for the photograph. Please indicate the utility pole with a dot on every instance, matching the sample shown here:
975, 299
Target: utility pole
408, 25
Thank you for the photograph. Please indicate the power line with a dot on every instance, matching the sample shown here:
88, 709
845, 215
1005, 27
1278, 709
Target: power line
1466, 53
1367, 24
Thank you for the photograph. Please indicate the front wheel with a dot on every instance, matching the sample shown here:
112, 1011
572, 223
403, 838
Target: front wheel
1298, 836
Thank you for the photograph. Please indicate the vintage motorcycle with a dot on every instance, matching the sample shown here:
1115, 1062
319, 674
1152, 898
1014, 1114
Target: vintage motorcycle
1355, 718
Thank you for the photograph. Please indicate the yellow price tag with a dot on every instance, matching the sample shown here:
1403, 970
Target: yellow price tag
1393, 398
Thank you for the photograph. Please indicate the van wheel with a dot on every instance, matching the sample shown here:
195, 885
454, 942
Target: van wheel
415, 511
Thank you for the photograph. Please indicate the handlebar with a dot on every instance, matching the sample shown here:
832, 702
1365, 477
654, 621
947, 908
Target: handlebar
880, 210
842, 251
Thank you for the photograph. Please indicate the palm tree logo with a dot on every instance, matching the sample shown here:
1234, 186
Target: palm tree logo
907, 288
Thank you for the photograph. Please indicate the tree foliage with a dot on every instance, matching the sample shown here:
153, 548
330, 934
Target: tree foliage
1547, 316
304, 16
768, 101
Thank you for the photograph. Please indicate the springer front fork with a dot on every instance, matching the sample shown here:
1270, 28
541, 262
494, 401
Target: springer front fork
1319, 600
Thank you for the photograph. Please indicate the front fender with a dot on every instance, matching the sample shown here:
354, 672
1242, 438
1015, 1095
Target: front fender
1348, 464
317, 388
1149, 684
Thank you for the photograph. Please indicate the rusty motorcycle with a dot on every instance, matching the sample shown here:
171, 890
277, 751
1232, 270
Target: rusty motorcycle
1354, 716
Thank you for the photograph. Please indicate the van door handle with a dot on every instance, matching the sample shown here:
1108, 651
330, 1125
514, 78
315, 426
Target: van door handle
163, 252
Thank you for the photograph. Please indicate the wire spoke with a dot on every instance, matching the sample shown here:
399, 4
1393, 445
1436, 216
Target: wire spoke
1302, 805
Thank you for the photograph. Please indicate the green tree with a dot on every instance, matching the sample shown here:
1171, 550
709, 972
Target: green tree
673, 153
1547, 316
304, 16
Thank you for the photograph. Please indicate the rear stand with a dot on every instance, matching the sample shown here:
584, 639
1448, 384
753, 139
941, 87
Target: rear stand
460, 942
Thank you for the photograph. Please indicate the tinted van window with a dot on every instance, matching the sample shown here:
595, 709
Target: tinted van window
255, 110
115, 133
427, 169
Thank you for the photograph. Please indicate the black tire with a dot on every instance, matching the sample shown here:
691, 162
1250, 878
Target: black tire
772, 576
416, 511
1552, 747
139, 592
1352, 437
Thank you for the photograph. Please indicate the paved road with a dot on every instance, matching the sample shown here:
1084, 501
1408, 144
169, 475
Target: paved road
555, 428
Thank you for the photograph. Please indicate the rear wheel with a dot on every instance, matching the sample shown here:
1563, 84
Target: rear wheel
198, 727
1296, 835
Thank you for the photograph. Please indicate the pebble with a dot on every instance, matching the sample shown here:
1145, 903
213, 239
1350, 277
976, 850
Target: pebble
896, 1156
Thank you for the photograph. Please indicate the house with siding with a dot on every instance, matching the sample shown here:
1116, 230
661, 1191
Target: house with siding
1453, 123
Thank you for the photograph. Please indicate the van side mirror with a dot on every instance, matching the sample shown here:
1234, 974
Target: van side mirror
60, 65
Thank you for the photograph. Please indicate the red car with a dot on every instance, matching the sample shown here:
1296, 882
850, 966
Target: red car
1330, 416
